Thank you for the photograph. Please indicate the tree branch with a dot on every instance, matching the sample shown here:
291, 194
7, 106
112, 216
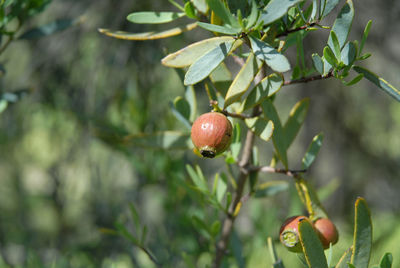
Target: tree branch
285, 33
308, 79
268, 169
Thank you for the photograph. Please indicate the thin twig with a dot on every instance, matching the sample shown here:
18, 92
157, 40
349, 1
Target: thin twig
240, 116
304, 27
269, 169
307, 79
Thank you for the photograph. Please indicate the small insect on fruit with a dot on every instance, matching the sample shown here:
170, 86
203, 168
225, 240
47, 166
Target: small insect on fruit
289, 233
211, 134
327, 232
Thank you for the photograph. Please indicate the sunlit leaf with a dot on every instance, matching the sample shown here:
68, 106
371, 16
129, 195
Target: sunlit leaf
222, 11
335, 46
362, 235
243, 80
153, 17
261, 127
378, 81
188, 55
387, 261
312, 247
349, 53
270, 55
198, 178
190, 10
329, 56
204, 65
312, 151
148, 35
354, 81
275, 9
254, 13
266, 88
200, 5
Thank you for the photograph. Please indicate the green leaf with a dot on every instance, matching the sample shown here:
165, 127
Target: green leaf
266, 88
342, 24
312, 151
152, 17
237, 248
267, 53
198, 178
200, 5
336, 48
243, 80
295, 121
362, 242
276, 262
221, 78
349, 53
378, 81
327, 66
365, 35
345, 259
252, 18
204, 65
159, 140
200, 224
3, 105
221, 189
125, 233
327, 7
144, 235
181, 109
135, 216
190, 96
318, 64
314, 11
219, 29
148, 35
278, 136
387, 261
236, 141
190, 10
330, 56
312, 247
222, 11
48, 29
271, 188
188, 55
275, 9
354, 81
215, 228
262, 127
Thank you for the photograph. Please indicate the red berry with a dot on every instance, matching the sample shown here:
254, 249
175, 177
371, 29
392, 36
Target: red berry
289, 234
327, 232
211, 134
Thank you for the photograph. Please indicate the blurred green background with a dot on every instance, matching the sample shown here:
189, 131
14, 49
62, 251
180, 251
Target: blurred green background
64, 178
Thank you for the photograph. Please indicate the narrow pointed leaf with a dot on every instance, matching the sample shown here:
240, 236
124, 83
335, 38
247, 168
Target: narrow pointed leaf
312, 151
312, 247
243, 80
343, 23
275, 9
278, 135
295, 121
219, 29
152, 17
190, 10
261, 127
148, 35
379, 82
318, 64
197, 178
354, 81
270, 55
252, 19
336, 48
266, 88
365, 35
188, 55
362, 235
204, 65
